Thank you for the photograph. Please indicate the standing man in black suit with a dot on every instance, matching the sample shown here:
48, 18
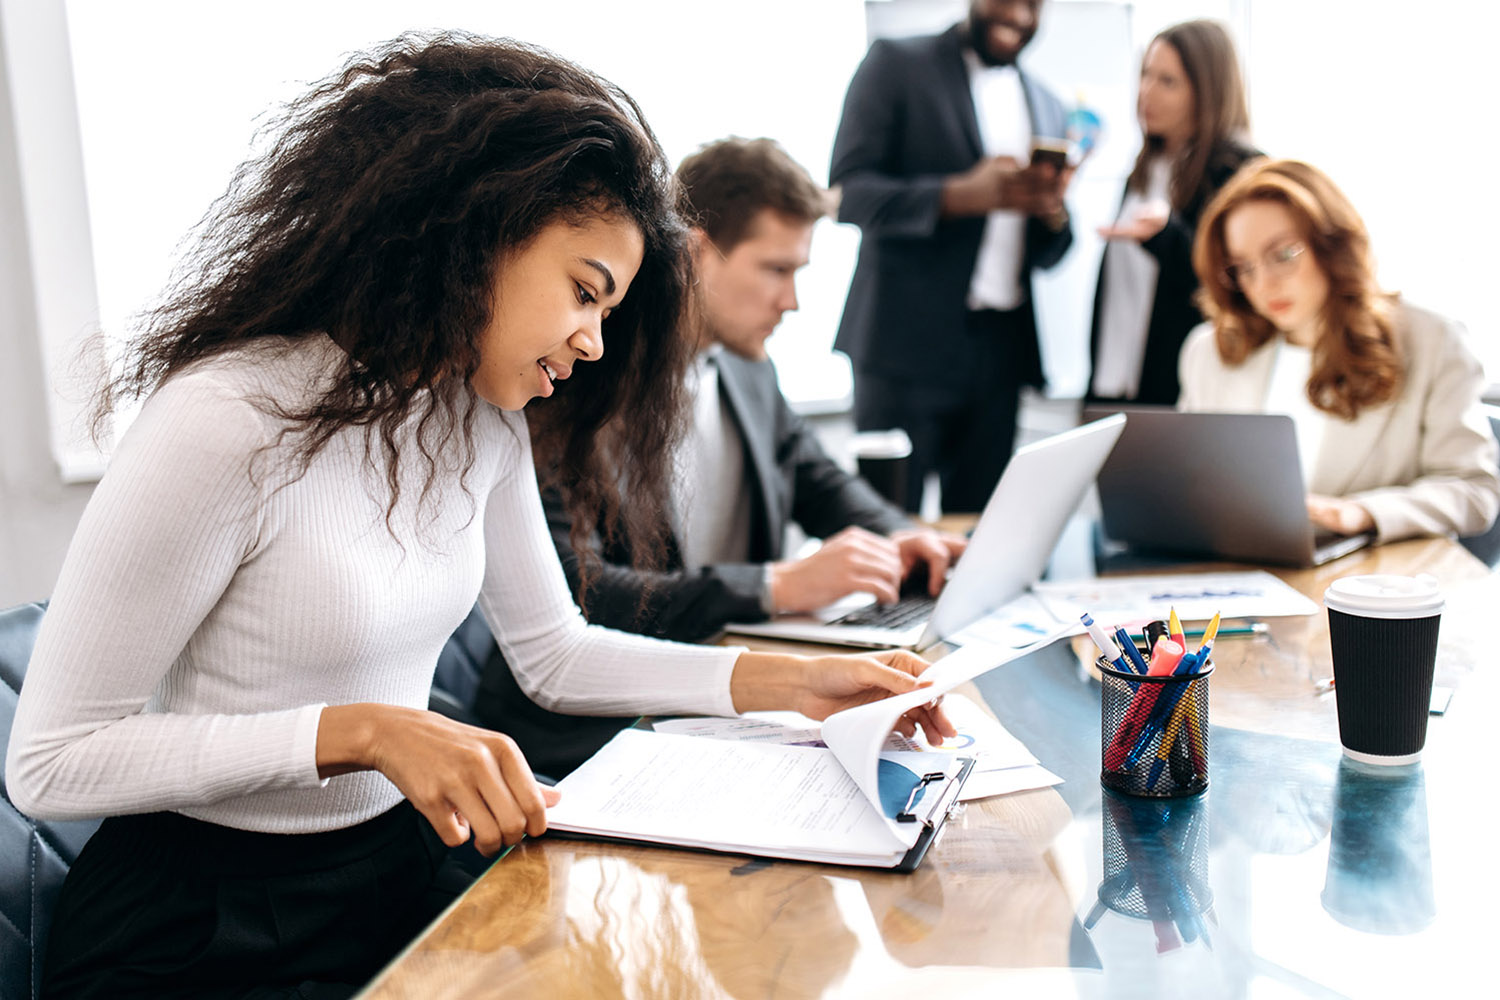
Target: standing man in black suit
933, 156
747, 467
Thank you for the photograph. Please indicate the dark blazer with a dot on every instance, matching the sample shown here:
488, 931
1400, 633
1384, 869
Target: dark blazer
791, 478
1173, 311
908, 123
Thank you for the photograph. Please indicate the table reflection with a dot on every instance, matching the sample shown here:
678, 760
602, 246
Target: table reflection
989, 898
1155, 866
1379, 860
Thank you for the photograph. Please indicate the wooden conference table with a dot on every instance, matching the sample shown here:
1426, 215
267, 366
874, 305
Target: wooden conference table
1297, 874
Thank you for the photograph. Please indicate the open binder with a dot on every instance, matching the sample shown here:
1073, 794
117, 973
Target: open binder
848, 802
793, 802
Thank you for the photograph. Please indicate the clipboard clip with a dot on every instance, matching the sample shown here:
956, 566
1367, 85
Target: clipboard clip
906, 815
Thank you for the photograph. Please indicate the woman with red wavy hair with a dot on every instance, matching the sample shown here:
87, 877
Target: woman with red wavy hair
1384, 395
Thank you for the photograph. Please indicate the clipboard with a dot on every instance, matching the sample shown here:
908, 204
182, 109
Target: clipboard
935, 817
755, 800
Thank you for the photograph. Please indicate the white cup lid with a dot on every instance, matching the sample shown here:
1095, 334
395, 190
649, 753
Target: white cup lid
1385, 595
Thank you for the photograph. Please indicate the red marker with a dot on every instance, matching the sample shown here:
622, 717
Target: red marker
1164, 660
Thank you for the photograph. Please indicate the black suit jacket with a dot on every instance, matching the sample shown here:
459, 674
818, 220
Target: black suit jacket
1173, 310
909, 123
791, 478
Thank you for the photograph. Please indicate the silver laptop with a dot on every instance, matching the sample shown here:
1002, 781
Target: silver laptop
1011, 543
1226, 485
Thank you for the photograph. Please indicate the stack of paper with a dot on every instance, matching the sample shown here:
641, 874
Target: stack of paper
850, 800
1002, 762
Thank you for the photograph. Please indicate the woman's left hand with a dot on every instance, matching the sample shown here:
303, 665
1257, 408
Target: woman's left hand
1141, 228
818, 686
1346, 517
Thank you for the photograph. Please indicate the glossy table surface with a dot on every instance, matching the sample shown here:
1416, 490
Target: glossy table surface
1296, 874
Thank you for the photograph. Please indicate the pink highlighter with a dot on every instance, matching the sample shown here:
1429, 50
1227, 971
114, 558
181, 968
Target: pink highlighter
1164, 659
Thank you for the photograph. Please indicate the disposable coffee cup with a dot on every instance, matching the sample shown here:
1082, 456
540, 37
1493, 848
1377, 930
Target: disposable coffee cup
1383, 631
883, 458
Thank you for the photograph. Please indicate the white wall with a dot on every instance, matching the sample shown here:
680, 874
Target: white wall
37, 511
1393, 100
170, 93
1396, 102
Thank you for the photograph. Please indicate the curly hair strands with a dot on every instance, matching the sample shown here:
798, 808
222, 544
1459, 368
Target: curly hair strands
379, 216
1357, 361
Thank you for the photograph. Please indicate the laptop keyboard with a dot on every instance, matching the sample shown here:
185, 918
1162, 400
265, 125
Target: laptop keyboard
904, 612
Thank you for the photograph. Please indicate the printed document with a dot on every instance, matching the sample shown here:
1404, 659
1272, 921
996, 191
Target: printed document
840, 803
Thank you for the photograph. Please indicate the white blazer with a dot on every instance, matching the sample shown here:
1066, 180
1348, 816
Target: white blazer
1422, 464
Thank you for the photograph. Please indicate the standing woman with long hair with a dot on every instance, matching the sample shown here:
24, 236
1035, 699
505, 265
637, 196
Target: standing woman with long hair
1194, 126
329, 466
1385, 396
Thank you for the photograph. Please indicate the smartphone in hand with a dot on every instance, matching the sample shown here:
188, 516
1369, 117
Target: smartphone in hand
1049, 152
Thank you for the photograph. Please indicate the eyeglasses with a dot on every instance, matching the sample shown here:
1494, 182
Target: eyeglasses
1279, 261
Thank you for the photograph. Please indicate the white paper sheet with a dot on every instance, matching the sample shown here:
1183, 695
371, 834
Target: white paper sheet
855, 734
1020, 622
985, 784
1196, 596
717, 794
1002, 763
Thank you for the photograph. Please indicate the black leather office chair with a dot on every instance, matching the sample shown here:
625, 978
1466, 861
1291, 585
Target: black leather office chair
1486, 547
34, 856
459, 666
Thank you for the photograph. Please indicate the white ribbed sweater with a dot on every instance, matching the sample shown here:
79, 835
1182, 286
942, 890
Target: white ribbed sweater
205, 615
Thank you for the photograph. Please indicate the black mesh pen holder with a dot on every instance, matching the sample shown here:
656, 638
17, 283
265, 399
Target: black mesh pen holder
1155, 863
1153, 731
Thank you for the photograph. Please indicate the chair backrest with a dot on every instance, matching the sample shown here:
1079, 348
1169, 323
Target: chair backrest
1486, 546
34, 857
456, 681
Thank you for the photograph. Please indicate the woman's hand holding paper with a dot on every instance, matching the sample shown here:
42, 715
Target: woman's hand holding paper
818, 686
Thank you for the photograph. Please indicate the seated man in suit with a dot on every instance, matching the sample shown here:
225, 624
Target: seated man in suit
747, 467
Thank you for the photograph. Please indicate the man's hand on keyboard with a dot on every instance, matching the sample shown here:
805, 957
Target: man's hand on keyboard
852, 560
936, 551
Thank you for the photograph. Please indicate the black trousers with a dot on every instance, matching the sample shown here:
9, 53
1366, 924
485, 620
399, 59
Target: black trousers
965, 427
160, 905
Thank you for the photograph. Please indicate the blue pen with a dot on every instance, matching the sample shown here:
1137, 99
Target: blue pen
1165, 754
1162, 710
1131, 653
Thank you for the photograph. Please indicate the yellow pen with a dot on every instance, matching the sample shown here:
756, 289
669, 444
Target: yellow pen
1195, 727
1209, 633
1167, 738
1174, 629
1194, 733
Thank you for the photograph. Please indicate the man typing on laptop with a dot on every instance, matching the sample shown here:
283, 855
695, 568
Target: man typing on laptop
746, 467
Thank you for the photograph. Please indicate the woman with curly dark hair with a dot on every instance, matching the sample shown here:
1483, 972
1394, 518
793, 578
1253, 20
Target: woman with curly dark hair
1384, 396
330, 464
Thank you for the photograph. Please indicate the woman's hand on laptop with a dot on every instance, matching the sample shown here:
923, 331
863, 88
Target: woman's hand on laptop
818, 686
937, 550
852, 560
1344, 517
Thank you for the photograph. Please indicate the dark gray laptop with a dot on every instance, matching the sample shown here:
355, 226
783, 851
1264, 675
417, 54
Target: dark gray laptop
1227, 485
